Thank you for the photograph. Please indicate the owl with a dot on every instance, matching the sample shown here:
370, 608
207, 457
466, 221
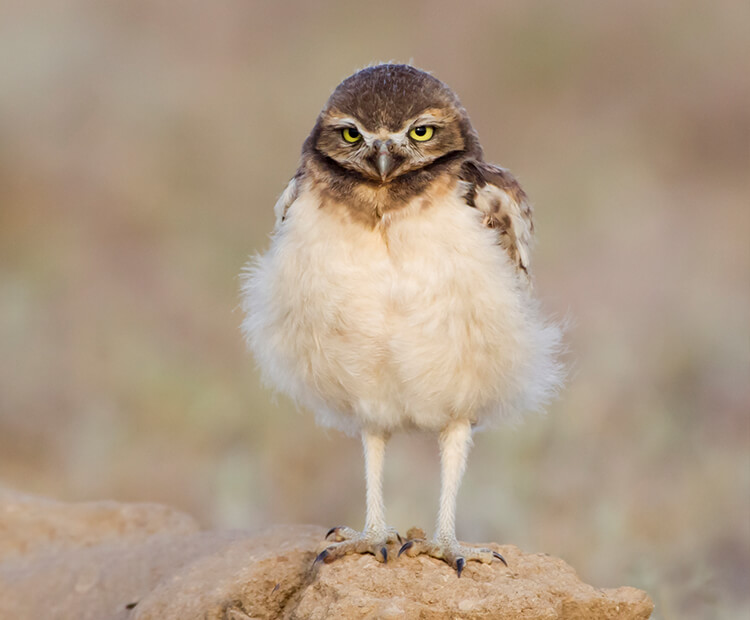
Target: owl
397, 292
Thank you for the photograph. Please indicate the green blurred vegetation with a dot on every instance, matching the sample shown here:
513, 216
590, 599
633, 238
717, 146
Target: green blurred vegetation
142, 145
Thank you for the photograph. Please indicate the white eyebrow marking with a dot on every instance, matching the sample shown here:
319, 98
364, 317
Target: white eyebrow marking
342, 122
425, 119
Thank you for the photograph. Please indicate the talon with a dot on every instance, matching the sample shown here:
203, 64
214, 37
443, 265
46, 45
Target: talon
321, 557
400, 540
460, 563
405, 547
499, 557
384, 553
332, 530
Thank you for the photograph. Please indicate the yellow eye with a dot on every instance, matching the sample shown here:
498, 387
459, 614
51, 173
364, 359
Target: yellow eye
422, 133
351, 135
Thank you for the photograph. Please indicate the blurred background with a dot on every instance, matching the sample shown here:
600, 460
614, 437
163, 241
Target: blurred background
142, 147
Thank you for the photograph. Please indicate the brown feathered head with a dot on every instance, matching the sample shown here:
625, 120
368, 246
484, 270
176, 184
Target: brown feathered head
391, 124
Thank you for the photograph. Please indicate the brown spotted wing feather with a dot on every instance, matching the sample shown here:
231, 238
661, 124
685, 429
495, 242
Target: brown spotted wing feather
498, 196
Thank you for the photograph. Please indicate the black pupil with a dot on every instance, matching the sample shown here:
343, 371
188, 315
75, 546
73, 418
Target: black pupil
420, 131
353, 133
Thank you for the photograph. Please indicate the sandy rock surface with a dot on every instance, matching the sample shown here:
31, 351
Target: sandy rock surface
104, 560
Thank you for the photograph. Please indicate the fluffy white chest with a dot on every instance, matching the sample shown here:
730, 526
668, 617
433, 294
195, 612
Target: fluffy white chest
413, 323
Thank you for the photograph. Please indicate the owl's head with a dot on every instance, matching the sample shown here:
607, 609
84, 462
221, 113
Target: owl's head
391, 123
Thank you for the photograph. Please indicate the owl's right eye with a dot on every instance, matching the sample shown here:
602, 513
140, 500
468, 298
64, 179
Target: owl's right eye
351, 135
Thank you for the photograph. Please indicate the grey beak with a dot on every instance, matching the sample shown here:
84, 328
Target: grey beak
383, 159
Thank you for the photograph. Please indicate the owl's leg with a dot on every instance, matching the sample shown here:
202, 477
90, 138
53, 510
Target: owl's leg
455, 442
376, 535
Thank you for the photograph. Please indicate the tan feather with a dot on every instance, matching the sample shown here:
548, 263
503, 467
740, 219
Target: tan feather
288, 196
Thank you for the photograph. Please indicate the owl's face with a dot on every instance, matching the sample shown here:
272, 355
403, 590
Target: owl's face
391, 122
381, 152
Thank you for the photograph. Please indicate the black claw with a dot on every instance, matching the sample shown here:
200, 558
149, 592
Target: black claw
405, 547
499, 557
384, 551
460, 563
400, 540
321, 557
332, 530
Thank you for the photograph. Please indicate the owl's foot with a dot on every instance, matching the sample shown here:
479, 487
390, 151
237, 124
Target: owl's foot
346, 541
450, 551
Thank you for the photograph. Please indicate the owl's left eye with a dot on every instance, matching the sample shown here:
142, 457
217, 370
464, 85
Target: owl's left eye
351, 135
422, 133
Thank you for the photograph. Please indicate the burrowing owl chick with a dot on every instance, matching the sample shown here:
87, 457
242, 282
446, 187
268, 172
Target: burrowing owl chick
396, 293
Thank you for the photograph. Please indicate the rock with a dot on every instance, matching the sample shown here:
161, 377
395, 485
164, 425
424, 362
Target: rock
28, 523
109, 561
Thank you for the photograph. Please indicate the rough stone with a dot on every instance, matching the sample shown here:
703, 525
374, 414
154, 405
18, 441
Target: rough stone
109, 561
29, 523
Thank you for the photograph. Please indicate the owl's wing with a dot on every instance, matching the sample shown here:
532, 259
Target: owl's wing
288, 196
498, 196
